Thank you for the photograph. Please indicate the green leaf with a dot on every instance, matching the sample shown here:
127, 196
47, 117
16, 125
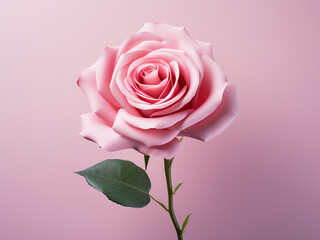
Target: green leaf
185, 223
160, 203
121, 181
176, 188
146, 161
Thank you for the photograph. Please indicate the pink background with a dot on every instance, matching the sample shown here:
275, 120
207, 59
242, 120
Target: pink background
259, 180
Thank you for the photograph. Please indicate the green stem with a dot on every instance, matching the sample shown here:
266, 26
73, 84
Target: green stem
167, 168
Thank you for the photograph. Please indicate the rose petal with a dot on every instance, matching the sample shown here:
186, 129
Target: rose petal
158, 123
174, 107
175, 75
180, 36
192, 52
166, 90
152, 78
146, 98
188, 70
169, 32
148, 45
218, 121
167, 150
104, 71
117, 85
98, 104
136, 39
149, 137
205, 48
154, 90
98, 131
210, 95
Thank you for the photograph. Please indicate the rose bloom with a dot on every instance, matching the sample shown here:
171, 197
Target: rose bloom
160, 84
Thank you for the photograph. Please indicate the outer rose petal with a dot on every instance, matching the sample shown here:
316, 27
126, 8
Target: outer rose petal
210, 94
157, 122
135, 40
96, 130
98, 104
218, 121
148, 137
169, 32
166, 31
205, 48
167, 150
104, 70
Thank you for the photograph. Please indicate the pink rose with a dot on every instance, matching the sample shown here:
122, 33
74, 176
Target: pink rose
158, 85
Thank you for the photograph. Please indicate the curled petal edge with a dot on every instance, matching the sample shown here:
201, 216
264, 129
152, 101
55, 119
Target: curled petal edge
98, 104
96, 129
148, 137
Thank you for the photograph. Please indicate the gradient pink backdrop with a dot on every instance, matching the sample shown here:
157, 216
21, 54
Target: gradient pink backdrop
259, 180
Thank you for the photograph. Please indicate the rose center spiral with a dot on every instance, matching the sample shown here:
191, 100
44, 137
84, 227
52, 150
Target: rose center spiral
151, 81
150, 75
